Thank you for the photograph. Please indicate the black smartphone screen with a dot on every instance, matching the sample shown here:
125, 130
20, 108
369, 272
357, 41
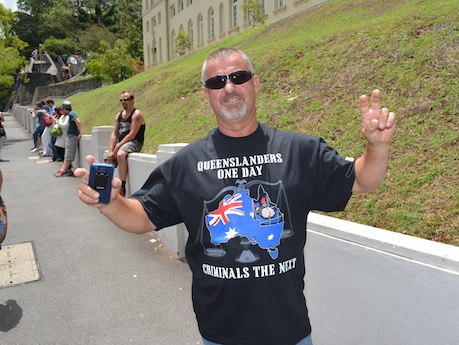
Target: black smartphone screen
101, 180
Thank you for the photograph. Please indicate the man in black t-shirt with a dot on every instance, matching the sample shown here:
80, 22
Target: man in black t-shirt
244, 193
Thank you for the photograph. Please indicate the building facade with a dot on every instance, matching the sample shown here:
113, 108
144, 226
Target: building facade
205, 21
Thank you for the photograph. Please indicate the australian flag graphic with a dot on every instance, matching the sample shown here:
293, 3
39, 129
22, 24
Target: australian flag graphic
238, 215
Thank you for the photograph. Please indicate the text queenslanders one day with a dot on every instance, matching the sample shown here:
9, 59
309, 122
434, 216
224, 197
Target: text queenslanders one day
234, 162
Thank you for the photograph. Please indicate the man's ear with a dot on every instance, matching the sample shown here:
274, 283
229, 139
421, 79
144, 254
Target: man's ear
256, 83
205, 93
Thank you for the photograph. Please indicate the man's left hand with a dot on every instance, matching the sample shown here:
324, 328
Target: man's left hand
378, 124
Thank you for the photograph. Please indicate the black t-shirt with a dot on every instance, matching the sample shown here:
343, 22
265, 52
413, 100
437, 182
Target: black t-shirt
245, 203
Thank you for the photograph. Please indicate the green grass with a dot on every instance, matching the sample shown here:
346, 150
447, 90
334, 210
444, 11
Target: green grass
313, 67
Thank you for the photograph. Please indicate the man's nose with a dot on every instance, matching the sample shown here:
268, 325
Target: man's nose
229, 85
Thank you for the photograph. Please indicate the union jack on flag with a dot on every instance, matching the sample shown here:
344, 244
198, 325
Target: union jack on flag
226, 207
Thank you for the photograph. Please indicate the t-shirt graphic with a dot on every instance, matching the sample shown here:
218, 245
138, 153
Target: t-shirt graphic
257, 221
125, 128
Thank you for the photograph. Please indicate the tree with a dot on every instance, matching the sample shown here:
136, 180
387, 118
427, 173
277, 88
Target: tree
129, 25
109, 63
183, 42
56, 47
59, 21
90, 38
38, 20
255, 12
11, 60
33, 25
105, 13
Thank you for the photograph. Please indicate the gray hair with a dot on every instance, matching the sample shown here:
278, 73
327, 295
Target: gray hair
224, 54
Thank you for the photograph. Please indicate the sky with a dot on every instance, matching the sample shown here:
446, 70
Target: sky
11, 4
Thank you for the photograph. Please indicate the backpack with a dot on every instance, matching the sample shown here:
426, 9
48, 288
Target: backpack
47, 120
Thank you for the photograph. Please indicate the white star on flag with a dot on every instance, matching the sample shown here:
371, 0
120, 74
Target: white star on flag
231, 233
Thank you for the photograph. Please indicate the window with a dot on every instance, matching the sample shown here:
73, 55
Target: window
148, 56
181, 6
155, 53
190, 29
159, 17
222, 19
212, 24
234, 12
280, 3
173, 42
201, 29
172, 10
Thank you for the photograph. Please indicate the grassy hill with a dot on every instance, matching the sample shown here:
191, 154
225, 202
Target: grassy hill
313, 67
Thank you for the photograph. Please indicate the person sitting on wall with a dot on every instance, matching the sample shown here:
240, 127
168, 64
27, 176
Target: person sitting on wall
127, 136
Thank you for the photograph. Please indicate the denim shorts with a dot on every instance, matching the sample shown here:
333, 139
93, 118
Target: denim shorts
305, 341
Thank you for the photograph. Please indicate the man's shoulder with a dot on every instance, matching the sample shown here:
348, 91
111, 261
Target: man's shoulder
137, 114
72, 115
196, 147
119, 116
273, 133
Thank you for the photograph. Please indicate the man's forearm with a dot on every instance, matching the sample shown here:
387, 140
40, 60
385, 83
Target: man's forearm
128, 215
112, 142
371, 168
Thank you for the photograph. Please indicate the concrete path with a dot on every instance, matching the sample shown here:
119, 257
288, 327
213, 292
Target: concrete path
97, 284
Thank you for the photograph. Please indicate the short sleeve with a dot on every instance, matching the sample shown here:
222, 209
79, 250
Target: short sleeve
334, 177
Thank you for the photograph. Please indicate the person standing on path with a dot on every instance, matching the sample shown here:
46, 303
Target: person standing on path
3, 214
244, 193
46, 138
62, 120
74, 133
2, 134
38, 113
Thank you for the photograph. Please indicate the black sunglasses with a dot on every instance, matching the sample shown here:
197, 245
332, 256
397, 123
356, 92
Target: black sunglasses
126, 99
219, 81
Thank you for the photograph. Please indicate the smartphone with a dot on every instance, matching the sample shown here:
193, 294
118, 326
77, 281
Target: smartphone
100, 179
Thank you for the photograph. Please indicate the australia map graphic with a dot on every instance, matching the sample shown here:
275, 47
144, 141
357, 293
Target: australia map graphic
258, 221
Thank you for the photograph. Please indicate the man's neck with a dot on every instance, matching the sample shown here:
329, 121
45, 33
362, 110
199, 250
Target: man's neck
238, 129
129, 110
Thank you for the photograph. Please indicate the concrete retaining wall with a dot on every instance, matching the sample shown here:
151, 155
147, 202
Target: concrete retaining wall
364, 285
371, 286
65, 89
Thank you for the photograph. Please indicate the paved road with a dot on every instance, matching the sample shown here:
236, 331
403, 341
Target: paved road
98, 284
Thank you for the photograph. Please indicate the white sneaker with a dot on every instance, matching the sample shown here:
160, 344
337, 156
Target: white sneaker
33, 150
